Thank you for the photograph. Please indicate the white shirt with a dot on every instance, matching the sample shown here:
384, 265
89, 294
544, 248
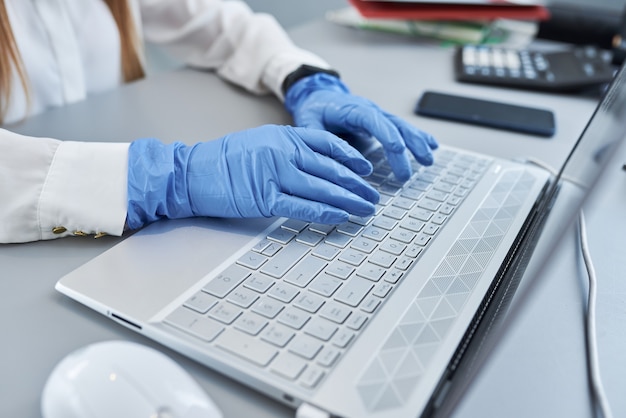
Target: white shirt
70, 49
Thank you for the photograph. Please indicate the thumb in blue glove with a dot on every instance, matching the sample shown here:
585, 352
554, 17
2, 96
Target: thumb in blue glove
322, 101
299, 173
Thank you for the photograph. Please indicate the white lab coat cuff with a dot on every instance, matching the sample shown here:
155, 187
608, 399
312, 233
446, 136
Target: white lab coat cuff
85, 191
265, 56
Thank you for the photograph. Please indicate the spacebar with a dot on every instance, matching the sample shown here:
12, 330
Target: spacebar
238, 343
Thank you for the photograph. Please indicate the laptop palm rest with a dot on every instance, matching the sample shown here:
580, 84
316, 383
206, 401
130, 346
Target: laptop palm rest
139, 276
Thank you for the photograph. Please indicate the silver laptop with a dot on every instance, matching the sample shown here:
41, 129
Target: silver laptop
377, 317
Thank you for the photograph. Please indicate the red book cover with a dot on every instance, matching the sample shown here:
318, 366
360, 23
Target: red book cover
429, 10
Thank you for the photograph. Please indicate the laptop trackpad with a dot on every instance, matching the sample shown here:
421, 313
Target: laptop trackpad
140, 275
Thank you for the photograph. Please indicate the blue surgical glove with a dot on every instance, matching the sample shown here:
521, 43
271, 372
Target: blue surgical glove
322, 101
300, 173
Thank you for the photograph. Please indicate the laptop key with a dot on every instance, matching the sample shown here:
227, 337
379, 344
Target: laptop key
225, 282
325, 251
320, 328
242, 297
343, 338
251, 323
335, 312
267, 307
393, 247
309, 238
261, 245
352, 256
353, 292
252, 260
201, 302
370, 271
283, 292
196, 325
394, 275
294, 318
360, 220
338, 239
259, 283
305, 271
374, 233
294, 225
272, 249
370, 304
421, 214
284, 260
323, 229
356, 321
311, 377
429, 204
437, 195
325, 285
349, 228
309, 302
288, 366
225, 312
281, 236
328, 356
305, 346
339, 269
277, 334
244, 346
385, 223
364, 244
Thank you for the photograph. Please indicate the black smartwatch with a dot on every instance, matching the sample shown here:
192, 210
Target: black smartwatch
304, 71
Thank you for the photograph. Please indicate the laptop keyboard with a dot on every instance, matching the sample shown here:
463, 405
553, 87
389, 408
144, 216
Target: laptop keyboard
295, 302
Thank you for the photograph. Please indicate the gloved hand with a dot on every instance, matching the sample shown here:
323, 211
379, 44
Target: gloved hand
322, 101
299, 173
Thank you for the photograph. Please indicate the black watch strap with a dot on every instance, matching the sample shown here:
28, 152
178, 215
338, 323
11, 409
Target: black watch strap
304, 71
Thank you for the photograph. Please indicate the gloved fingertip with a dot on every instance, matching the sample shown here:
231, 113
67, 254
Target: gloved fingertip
402, 177
372, 209
432, 142
427, 159
363, 167
402, 173
362, 210
368, 193
397, 147
375, 197
333, 217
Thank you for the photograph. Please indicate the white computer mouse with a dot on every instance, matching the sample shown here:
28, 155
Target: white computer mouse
123, 379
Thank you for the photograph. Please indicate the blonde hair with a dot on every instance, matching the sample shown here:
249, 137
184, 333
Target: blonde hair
132, 68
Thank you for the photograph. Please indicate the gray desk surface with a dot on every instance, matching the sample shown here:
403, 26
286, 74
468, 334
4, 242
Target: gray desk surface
539, 368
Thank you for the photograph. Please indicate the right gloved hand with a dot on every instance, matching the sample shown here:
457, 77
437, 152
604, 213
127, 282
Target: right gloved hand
299, 173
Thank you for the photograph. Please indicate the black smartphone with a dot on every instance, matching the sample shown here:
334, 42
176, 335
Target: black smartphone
489, 113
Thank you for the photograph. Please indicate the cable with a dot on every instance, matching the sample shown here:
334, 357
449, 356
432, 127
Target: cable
547, 167
306, 410
602, 407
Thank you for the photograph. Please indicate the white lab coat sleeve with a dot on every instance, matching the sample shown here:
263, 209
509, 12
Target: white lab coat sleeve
246, 48
53, 188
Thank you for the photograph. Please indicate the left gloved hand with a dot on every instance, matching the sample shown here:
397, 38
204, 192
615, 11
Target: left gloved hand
322, 101
271, 170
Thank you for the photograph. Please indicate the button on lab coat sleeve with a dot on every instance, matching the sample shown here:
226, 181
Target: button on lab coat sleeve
53, 188
246, 48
